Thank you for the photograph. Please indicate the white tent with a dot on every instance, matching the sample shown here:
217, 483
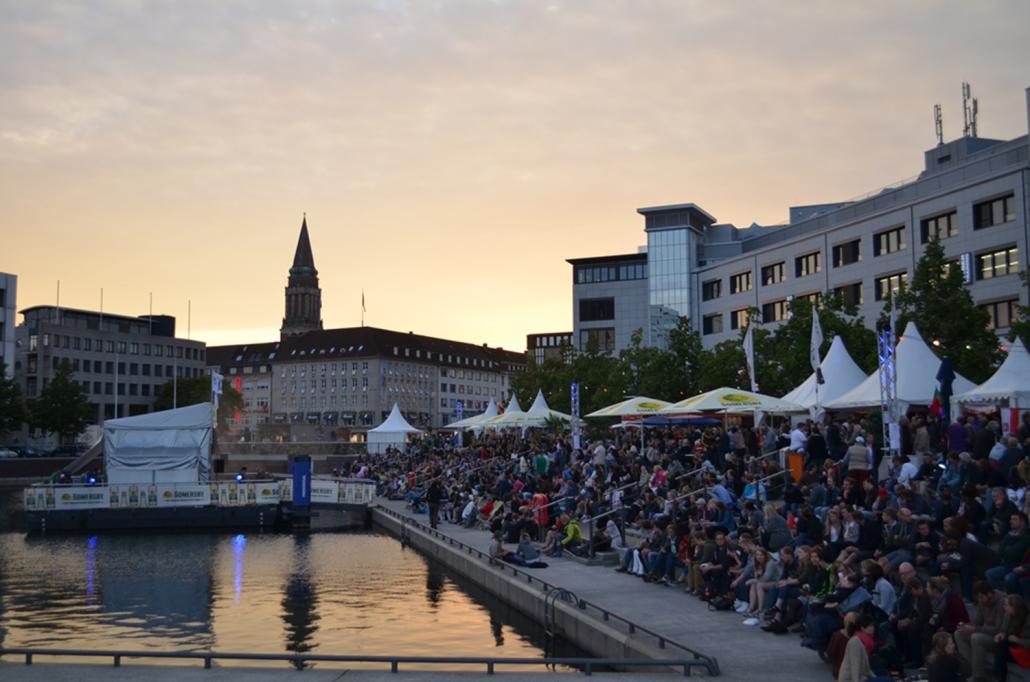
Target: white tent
840, 375
512, 416
477, 421
637, 406
1010, 384
392, 432
916, 369
539, 412
731, 401
172, 446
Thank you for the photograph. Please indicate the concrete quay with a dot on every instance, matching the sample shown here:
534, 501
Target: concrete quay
743, 652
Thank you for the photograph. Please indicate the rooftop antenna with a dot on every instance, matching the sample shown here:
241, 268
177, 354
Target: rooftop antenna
938, 124
970, 109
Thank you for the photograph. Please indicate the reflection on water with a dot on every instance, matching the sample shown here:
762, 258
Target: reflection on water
351, 593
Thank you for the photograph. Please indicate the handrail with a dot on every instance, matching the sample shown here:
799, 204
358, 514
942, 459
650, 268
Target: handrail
710, 663
298, 659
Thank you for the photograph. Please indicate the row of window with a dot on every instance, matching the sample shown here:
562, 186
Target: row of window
593, 274
86, 343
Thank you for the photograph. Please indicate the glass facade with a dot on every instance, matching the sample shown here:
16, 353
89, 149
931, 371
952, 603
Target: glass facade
668, 260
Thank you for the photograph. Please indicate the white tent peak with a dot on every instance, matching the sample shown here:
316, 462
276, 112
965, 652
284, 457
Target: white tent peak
1010, 382
491, 409
395, 423
539, 405
911, 331
840, 374
513, 404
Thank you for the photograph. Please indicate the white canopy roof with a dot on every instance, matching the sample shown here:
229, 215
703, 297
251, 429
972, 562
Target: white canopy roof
395, 423
916, 367
171, 446
537, 415
512, 415
476, 421
540, 411
631, 407
731, 401
1011, 382
840, 374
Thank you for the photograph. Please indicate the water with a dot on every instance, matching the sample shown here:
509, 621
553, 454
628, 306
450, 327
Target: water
341, 593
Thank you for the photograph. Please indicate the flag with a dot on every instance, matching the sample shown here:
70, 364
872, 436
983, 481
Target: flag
749, 357
817, 342
936, 408
945, 377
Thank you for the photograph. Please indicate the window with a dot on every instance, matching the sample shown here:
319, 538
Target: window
850, 294
711, 289
993, 212
711, 324
772, 274
807, 264
891, 283
997, 263
594, 309
938, 227
774, 311
604, 337
847, 253
815, 299
592, 274
1002, 313
740, 282
738, 318
889, 241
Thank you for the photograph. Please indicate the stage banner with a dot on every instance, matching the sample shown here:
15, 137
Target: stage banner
81, 497
183, 495
325, 491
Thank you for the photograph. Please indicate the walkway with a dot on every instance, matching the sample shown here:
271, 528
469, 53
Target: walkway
744, 653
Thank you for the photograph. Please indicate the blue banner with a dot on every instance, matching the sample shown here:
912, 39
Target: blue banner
301, 468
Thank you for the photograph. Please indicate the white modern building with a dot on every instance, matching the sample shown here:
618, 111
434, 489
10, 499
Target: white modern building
972, 195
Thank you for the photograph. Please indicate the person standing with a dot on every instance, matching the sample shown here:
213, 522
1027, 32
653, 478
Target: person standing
433, 496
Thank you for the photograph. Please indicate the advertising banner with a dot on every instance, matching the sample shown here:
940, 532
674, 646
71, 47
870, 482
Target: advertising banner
80, 497
183, 495
267, 492
325, 491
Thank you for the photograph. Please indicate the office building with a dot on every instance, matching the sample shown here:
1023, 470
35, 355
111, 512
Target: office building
8, 301
971, 194
542, 347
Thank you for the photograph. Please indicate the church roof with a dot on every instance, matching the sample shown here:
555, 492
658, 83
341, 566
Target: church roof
303, 260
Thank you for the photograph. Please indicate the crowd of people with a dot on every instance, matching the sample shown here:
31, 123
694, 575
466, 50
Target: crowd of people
919, 563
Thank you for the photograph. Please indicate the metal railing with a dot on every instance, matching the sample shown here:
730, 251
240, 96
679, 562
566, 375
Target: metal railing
587, 665
698, 659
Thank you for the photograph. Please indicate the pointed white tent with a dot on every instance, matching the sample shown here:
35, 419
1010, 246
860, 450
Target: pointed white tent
476, 421
916, 368
392, 432
840, 374
171, 446
1010, 384
512, 416
539, 412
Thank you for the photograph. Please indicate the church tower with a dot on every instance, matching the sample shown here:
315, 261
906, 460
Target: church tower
303, 295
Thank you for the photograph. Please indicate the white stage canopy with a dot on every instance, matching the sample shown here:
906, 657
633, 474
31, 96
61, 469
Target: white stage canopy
171, 446
916, 367
478, 421
732, 401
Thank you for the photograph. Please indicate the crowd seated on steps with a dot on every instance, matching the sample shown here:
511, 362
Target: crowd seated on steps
877, 565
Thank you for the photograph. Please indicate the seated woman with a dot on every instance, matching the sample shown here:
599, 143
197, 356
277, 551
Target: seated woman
764, 573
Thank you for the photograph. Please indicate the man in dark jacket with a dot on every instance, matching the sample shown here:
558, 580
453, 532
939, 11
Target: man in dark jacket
433, 496
1011, 549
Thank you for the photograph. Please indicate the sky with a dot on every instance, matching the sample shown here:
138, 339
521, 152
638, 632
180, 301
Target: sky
449, 155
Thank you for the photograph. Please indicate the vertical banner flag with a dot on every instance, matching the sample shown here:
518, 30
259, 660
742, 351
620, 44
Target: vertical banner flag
216, 387
461, 415
574, 394
817, 343
749, 356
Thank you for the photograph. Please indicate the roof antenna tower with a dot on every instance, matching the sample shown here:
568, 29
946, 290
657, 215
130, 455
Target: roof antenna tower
970, 109
938, 124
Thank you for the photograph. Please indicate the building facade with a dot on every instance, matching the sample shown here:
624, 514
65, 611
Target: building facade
319, 383
120, 361
972, 195
8, 302
542, 347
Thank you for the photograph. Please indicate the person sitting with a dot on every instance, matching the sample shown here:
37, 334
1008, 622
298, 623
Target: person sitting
948, 609
573, 534
1014, 636
944, 664
975, 640
527, 551
499, 553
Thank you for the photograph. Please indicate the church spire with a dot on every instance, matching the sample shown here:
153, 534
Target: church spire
303, 295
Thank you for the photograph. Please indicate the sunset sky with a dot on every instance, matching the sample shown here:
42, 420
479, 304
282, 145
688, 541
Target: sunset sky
449, 155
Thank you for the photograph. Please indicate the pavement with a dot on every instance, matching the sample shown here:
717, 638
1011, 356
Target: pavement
744, 652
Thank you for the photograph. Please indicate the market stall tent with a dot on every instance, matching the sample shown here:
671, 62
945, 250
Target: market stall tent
1010, 385
391, 433
916, 368
478, 420
171, 446
727, 400
840, 375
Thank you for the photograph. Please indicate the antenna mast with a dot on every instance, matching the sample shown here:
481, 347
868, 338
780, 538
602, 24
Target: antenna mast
970, 108
938, 124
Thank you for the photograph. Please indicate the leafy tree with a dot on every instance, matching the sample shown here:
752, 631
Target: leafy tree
943, 309
1020, 326
723, 365
61, 407
12, 405
194, 390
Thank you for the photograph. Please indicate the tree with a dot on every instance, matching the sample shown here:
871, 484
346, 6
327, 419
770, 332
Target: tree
944, 311
194, 390
62, 407
12, 405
